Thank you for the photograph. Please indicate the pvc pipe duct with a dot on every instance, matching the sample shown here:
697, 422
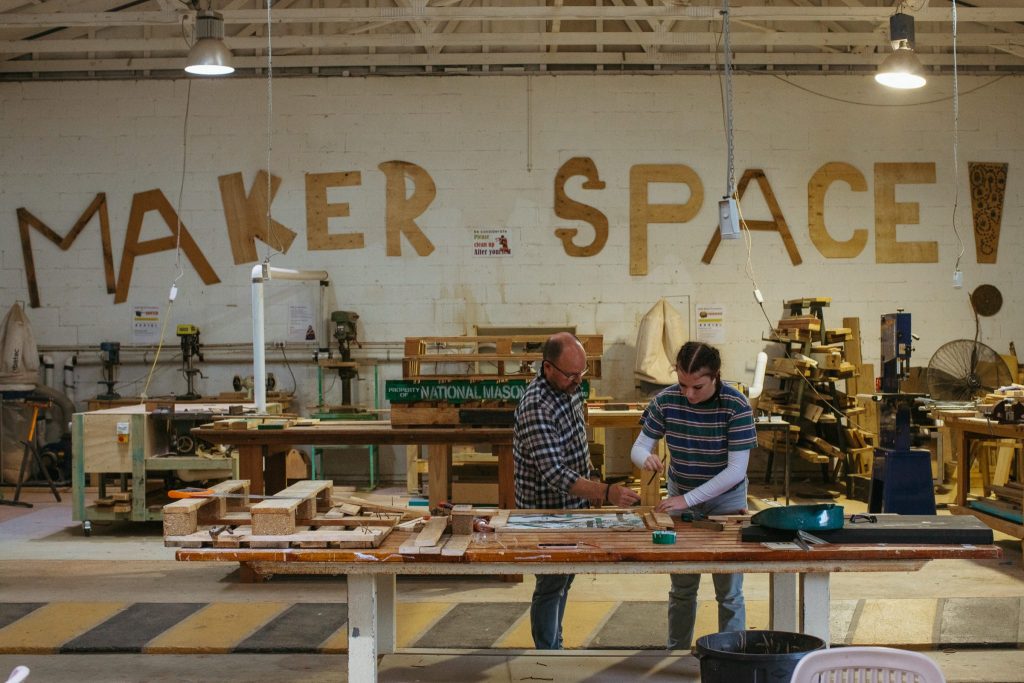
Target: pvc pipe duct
264, 272
759, 367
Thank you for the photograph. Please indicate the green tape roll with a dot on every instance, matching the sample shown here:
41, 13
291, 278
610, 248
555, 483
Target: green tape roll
664, 537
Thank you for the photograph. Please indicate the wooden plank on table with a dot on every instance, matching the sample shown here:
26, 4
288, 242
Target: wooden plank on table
456, 546
432, 532
409, 547
500, 519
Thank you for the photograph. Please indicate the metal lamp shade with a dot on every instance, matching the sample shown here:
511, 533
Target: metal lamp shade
902, 69
209, 56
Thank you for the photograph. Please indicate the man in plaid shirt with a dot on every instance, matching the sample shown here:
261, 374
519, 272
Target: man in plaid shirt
552, 466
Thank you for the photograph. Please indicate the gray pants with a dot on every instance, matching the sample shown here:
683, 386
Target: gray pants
682, 598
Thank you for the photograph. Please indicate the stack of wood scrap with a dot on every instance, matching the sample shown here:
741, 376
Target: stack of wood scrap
119, 502
814, 361
449, 536
1007, 499
448, 381
304, 515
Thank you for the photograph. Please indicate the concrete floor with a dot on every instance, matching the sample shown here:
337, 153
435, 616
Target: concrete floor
968, 616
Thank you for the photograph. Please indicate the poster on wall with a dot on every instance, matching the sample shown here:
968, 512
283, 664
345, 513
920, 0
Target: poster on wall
300, 323
145, 324
711, 323
491, 242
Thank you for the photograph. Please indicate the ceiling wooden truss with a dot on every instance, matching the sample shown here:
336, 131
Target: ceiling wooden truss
92, 39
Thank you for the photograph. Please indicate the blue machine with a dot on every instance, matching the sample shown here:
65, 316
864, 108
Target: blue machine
901, 476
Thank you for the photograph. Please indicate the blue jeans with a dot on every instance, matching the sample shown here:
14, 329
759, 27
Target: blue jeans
682, 597
547, 609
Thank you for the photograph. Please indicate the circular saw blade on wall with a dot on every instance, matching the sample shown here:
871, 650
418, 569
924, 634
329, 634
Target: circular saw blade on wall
986, 300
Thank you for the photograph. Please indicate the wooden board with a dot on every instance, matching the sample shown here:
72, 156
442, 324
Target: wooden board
817, 187
401, 211
777, 224
432, 532
573, 210
889, 213
643, 213
988, 191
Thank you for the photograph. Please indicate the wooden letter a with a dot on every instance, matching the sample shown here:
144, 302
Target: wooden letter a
143, 203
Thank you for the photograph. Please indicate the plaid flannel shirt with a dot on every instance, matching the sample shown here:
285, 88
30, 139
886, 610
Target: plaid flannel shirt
549, 447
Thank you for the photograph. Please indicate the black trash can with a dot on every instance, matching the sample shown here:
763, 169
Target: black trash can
752, 656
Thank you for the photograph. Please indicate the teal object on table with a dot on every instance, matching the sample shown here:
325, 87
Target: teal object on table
821, 517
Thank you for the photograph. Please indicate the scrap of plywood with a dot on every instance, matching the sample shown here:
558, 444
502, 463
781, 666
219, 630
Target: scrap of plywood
143, 203
642, 213
817, 187
777, 224
432, 532
26, 220
988, 190
401, 212
247, 216
573, 210
889, 213
319, 210
456, 546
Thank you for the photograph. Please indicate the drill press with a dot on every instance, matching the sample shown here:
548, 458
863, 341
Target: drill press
345, 334
190, 350
110, 356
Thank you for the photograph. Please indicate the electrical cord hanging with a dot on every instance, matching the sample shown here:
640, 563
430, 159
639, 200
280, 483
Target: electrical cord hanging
956, 146
870, 104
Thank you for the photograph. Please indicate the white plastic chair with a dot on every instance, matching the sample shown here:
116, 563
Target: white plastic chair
19, 674
866, 665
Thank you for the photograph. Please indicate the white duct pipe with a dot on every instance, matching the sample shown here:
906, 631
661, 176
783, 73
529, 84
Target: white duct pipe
759, 367
263, 272
47, 370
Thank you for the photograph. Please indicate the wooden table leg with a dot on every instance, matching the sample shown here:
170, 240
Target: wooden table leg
814, 605
363, 625
250, 466
506, 477
782, 602
439, 465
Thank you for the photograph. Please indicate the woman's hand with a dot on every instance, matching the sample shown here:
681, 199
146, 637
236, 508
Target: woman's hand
675, 503
653, 463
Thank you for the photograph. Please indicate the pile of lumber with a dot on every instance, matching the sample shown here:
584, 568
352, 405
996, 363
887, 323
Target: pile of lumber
450, 381
304, 515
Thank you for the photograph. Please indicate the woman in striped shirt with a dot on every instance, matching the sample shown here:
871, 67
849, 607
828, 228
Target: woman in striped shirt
709, 430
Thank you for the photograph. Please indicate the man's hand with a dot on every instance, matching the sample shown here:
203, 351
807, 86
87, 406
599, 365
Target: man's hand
623, 497
653, 463
675, 503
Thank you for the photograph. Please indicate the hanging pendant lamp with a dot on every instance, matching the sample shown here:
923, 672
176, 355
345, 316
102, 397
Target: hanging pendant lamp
901, 69
209, 55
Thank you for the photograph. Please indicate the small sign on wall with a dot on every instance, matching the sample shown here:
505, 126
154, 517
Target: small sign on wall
491, 242
300, 323
145, 324
711, 323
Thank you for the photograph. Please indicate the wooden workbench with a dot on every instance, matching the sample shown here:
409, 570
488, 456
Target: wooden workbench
799, 581
962, 431
261, 451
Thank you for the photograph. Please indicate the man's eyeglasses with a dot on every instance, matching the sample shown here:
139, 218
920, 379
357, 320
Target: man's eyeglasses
571, 376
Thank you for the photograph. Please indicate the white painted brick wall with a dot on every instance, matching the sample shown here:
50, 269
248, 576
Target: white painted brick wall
494, 163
